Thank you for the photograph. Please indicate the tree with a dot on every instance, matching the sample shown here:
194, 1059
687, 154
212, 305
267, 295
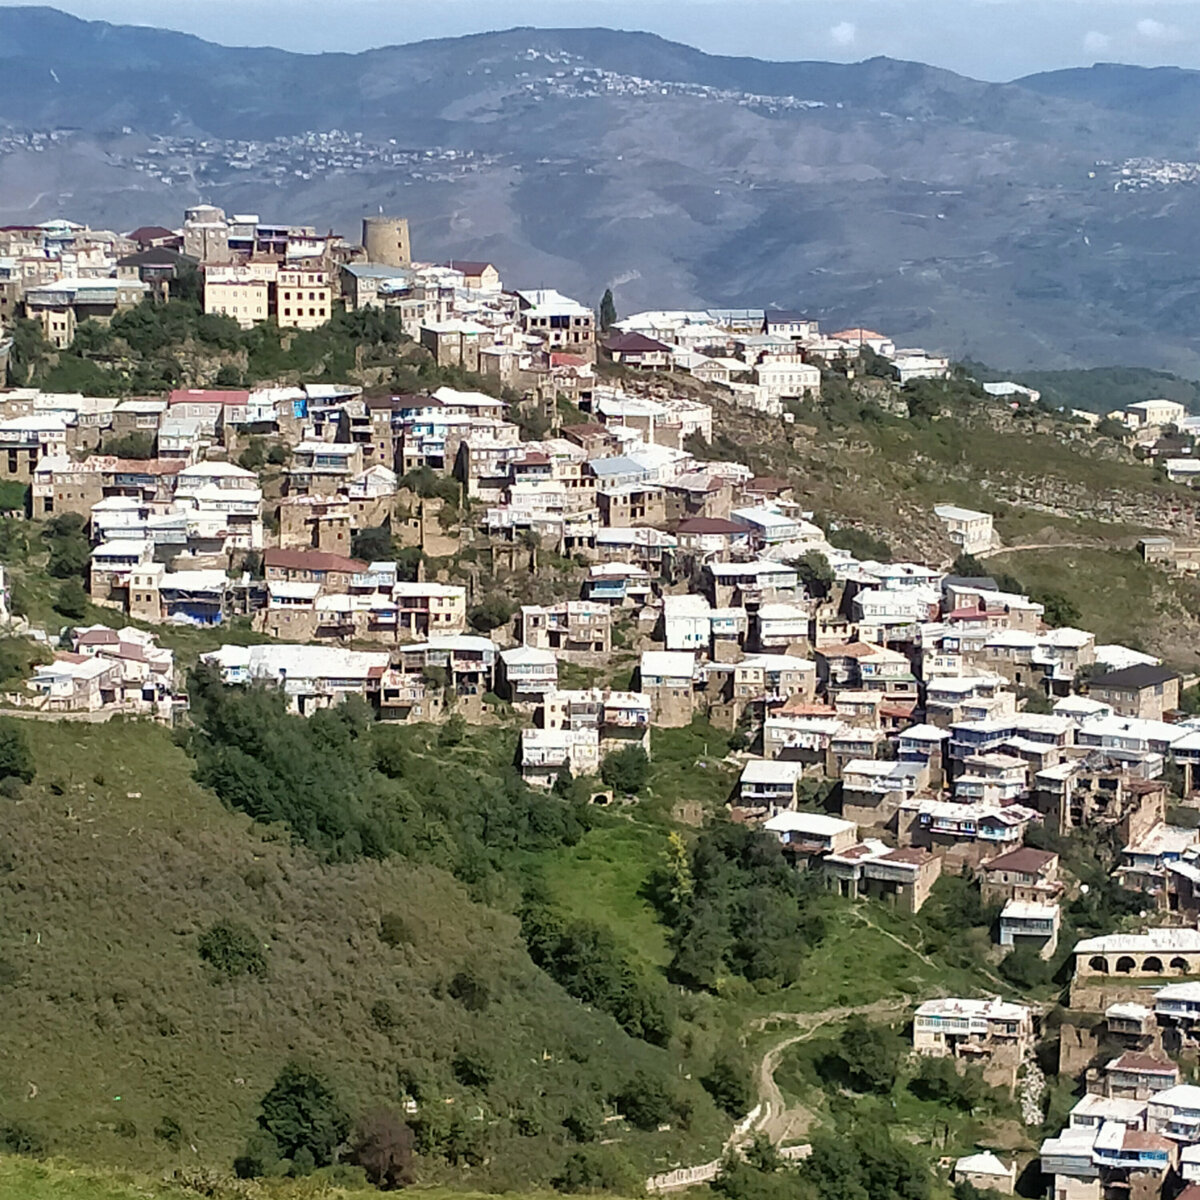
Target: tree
303, 1116
71, 600
491, 612
374, 544
939, 1080
1061, 610
232, 950
70, 551
1025, 968
814, 572
253, 456
383, 1147
608, 311
626, 770
16, 759
228, 377
597, 1169
473, 1068
471, 990
969, 567
131, 445
727, 1082
645, 1101
870, 1055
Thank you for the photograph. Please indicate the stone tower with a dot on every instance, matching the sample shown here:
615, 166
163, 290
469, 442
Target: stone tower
385, 240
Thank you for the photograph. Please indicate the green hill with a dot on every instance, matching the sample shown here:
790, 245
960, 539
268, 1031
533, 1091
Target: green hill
120, 1045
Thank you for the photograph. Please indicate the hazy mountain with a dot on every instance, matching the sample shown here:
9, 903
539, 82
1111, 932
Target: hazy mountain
992, 219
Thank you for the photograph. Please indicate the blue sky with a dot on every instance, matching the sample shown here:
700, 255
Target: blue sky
989, 39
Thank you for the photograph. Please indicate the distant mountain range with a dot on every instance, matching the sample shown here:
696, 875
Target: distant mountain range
1044, 223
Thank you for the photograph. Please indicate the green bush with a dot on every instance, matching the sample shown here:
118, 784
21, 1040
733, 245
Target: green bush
232, 950
71, 600
645, 1102
303, 1117
626, 770
16, 758
597, 1169
728, 1083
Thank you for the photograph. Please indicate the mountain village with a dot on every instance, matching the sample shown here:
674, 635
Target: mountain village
898, 720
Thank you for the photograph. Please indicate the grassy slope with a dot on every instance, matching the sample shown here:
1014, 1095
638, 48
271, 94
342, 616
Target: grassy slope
887, 473
25, 1179
1119, 597
114, 861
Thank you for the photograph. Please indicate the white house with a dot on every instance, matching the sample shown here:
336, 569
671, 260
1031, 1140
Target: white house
970, 531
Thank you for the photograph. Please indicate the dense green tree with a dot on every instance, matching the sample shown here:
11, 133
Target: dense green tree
373, 544
254, 456
70, 551
608, 311
939, 1080
1061, 610
494, 610
228, 376
814, 572
71, 600
645, 1101
16, 758
584, 958
727, 1081
864, 546
304, 1116
748, 912
1025, 968
870, 1055
597, 1169
626, 770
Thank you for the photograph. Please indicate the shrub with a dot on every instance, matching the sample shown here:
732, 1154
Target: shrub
470, 990
170, 1131
473, 1068
71, 600
626, 770
383, 1147
597, 1169
394, 930
18, 1138
232, 950
131, 445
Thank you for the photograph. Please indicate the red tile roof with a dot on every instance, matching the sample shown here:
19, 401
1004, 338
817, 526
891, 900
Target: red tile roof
204, 396
98, 637
1025, 861
1145, 1064
634, 343
311, 560
709, 525
467, 267
149, 466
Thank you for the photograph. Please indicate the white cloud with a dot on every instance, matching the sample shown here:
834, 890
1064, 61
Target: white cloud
844, 33
1151, 30
1095, 42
